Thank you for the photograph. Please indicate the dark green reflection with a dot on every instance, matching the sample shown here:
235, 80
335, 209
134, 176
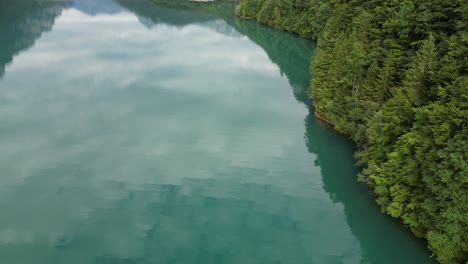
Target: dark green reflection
21, 23
162, 14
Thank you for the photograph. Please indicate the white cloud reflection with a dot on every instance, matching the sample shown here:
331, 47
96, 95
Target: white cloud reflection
76, 17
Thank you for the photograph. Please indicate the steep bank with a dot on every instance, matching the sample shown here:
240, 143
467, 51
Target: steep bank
393, 76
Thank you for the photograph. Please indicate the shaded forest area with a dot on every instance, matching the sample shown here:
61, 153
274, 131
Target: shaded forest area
393, 76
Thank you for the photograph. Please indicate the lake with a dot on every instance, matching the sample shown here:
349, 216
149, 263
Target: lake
132, 132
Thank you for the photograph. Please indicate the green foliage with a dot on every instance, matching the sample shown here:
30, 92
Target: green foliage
393, 76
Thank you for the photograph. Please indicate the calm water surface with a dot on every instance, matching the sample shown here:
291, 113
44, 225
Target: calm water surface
135, 133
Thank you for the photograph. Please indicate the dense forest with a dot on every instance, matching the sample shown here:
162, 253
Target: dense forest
393, 76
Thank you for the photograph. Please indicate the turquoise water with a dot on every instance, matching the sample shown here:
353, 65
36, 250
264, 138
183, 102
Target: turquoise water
135, 133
